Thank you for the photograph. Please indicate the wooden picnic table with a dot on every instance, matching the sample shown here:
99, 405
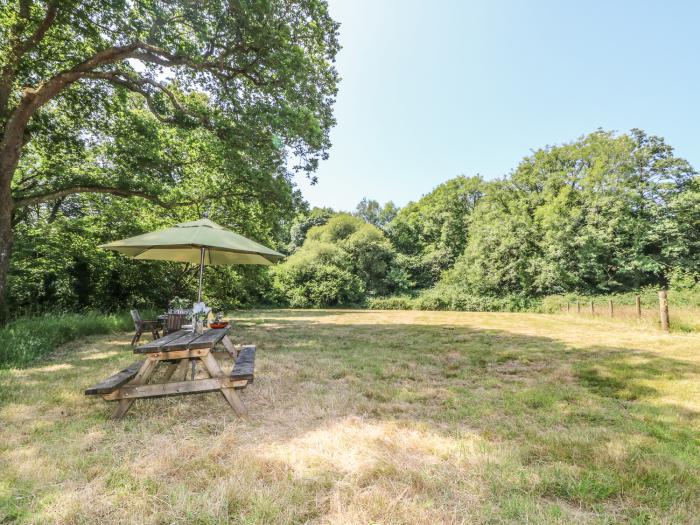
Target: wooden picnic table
178, 350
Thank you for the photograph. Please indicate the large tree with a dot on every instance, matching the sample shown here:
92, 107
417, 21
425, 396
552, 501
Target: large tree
606, 213
374, 213
258, 75
432, 233
55, 264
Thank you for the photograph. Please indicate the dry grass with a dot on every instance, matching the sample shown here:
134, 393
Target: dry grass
372, 417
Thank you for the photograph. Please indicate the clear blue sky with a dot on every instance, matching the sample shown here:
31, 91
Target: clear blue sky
432, 90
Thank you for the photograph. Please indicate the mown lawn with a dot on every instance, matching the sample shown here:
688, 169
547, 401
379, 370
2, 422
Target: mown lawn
372, 417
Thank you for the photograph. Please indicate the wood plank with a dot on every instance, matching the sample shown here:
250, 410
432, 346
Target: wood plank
212, 366
177, 355
228, 345
229, 394
131, 393
142, 377
245, 364
181, 343
222, 352
113, 382
213, 335
170, 370
157, 344
208, 339
234, 401
183, 368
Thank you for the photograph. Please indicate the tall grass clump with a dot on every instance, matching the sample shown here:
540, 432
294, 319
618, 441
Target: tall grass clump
453, 299
24, 340
449, 297
395, 302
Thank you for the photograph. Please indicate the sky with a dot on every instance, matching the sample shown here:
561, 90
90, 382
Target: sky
435, 89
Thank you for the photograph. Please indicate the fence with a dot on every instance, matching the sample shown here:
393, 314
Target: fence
634, 309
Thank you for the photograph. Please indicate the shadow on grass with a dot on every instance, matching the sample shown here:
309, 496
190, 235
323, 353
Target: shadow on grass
599, 422
588, 427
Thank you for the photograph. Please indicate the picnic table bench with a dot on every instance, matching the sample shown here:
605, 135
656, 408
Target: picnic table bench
178, 350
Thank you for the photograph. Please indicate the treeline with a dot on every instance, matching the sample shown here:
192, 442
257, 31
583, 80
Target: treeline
608, 213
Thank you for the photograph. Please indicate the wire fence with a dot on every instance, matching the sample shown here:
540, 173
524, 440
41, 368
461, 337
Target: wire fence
663, 315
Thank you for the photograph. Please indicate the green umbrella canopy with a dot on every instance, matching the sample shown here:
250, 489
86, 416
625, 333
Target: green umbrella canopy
188, 241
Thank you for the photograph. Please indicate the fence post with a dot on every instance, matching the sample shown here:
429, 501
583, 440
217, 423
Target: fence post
592, 309
663, 310
578, 307
611, 308
639, 308
568, 307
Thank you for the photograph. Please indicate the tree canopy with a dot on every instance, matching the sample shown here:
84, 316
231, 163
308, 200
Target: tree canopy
605, 213
374, 213
174, 102
432, 232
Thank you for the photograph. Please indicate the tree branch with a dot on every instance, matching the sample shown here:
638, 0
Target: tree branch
138, 84
21, 47
35, 97
40, 198
54, 210
218, 68
111, 190
40, 31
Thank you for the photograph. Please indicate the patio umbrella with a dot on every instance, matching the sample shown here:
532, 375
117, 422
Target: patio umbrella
203, 242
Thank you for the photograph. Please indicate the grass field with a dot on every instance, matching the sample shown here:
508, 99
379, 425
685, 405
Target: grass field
372, 417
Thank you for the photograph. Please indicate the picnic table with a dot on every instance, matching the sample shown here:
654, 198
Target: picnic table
179, 351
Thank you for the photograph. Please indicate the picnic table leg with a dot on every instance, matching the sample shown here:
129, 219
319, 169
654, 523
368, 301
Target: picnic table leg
181, 370
170, 370
229, 393
142, 377
228, 345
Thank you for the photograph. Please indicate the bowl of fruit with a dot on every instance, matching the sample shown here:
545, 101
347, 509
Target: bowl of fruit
218, 322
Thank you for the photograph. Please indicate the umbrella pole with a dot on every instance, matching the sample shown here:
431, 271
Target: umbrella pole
201, 273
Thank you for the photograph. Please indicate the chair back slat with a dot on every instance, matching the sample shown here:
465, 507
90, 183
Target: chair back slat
174, 322
136, 317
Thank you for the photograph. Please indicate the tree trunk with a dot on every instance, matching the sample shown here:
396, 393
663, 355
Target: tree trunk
6, 237
10, 148
10, 151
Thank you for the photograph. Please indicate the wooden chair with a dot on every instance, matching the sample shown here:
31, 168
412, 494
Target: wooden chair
141, 326
173, 322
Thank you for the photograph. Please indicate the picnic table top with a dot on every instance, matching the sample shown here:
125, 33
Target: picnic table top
183, 340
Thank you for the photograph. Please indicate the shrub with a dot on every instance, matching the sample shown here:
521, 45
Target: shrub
340, 263
453, 298
371, 257
330, 286
445, 298
678, 298
317, 276
397, 302
336, 229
